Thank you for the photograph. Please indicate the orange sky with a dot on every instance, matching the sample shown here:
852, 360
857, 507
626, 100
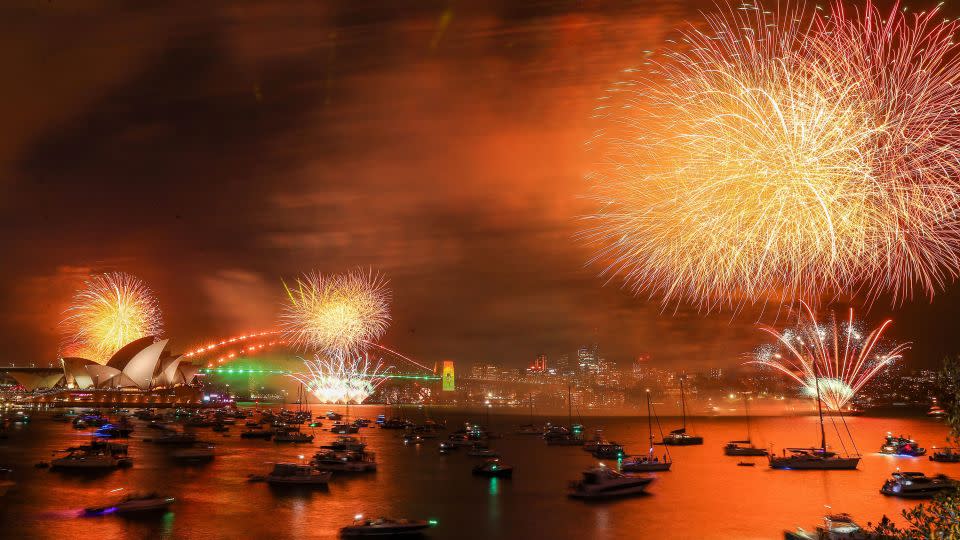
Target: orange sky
213, 148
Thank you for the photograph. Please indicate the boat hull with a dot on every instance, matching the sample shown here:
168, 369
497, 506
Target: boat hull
392, 530
646, 467
686, 441
838, 464
744, 452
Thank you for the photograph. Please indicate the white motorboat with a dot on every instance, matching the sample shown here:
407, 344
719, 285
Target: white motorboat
602, 482
835, 527
293, 474
916, 485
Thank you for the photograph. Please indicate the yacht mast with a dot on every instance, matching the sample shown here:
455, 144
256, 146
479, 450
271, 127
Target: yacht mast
746, 410
683, 406
823, 434
649, 422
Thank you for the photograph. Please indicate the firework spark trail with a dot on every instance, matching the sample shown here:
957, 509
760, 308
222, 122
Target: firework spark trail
340, 378
110, 311
336, 314
784, 154
840, 356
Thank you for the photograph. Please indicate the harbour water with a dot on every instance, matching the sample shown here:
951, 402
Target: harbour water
706, 495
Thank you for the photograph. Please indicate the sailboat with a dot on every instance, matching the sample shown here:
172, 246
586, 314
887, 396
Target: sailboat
814, 458
561, 436
744, 447
531, 428
680, 437
649, 462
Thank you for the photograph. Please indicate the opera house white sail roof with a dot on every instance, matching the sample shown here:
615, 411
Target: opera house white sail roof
144, 364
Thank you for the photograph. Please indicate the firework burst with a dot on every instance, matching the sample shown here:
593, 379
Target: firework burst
336, 314
342, 379
110, 311
786, 153
842, 357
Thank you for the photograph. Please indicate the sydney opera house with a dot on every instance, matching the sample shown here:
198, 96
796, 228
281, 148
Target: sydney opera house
143, 371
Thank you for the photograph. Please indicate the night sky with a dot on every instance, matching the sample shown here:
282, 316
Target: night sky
213, 148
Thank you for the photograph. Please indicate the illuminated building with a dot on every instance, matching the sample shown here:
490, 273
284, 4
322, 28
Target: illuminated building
448, 380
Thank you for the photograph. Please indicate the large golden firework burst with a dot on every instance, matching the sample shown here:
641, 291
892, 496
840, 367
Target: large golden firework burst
774, 155
336, 314
110, 311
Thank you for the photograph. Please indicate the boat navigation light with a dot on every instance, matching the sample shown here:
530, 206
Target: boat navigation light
358, 517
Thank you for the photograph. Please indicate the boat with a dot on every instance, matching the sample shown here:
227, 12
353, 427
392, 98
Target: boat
746, 464
744, 447
394, 423
901, 446
293, 474
591, 444
648, 462
531, 428
494, 469
292, 437
333, 416
610, 450
344, 429
602, 482
562, 436
813, 458
945, 455
346, 444
85, 460
916, 485
345, 462
835, 527
197, 453
257, 434
98, 455
220, 428
133, 503
385, 527
680, 437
